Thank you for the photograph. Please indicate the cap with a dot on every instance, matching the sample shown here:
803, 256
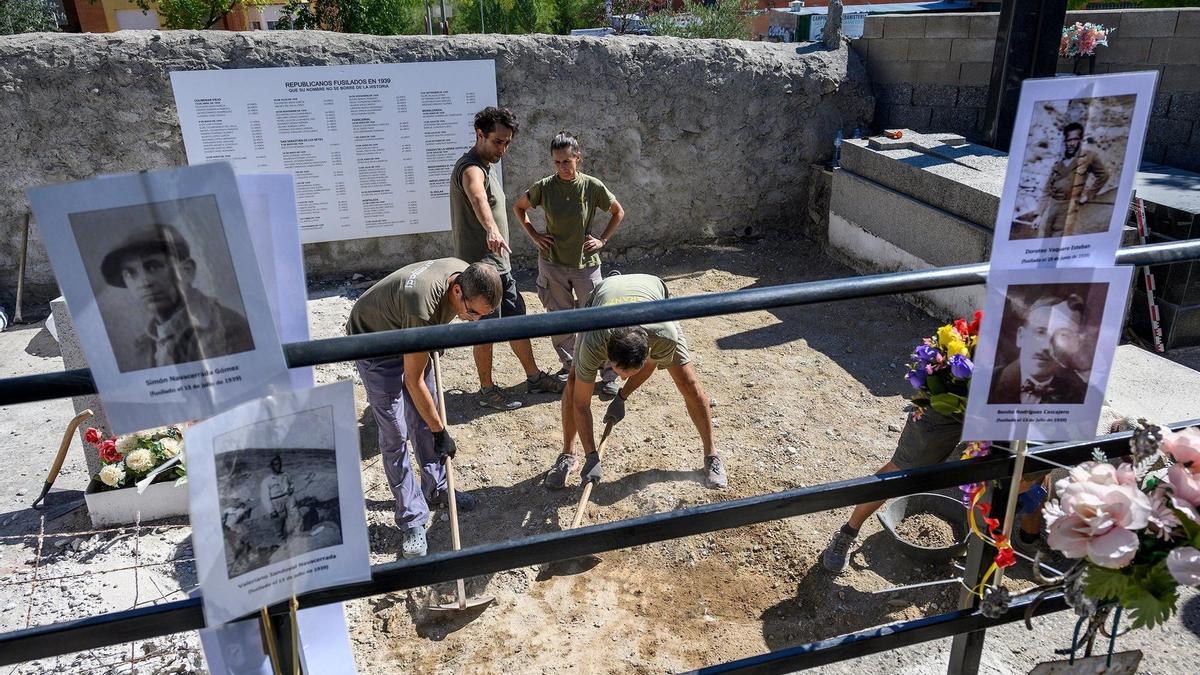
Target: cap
154, 238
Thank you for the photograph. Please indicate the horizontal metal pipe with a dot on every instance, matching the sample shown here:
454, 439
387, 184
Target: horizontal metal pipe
879, 639
331, 350
184, 615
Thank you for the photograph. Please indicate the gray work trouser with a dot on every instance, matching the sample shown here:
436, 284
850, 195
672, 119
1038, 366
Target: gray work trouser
398, 422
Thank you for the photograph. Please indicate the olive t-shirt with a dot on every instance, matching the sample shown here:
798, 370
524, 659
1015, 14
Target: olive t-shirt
570, 206
667, 344
410, 297
470, 240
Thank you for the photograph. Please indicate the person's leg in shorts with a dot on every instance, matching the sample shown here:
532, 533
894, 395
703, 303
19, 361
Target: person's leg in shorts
928, 440
536, 381
567, 288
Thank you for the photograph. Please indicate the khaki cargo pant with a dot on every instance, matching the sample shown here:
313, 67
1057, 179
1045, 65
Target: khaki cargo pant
567, 288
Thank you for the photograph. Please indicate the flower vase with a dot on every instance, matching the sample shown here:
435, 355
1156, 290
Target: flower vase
1090, 61
123, 506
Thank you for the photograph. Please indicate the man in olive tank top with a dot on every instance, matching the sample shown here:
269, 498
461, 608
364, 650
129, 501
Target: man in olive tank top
479, 220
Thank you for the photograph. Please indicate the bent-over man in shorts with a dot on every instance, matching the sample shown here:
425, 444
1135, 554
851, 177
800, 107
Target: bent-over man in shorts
635, 353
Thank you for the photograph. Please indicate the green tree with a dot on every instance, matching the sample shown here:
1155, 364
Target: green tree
26, 16
189, 14
369, 17
524, 16
723, 19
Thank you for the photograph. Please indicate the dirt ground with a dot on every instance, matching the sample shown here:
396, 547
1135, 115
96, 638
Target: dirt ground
804, 396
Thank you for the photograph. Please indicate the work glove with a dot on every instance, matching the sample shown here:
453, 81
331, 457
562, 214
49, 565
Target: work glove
591, 468
443, 445
616, 410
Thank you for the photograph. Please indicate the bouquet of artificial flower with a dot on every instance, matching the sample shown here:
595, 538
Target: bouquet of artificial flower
1082, 39
127, 459
941, 367
1135, 527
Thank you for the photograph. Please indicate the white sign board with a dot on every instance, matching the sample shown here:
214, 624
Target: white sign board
160, 275
1046, 347
853, 25
370, 146
1076, 145
276, 500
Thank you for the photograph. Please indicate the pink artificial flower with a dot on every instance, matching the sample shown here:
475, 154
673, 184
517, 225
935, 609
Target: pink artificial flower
1184, 564
1183, 447
1185, 490
1163, 520
1097, 509
92, 435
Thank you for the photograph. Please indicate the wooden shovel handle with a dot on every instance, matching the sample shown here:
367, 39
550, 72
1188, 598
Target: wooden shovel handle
449, 463
587, 488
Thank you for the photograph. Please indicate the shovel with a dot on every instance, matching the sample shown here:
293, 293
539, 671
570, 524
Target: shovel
587, 488
587, 562
463, 601
65, 445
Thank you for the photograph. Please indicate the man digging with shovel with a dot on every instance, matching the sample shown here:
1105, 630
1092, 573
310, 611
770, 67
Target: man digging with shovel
635, 352
400, 388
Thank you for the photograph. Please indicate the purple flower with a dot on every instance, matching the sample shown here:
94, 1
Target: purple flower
926, 354
961, 366
916, 378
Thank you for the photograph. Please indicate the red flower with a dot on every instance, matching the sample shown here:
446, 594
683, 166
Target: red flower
1005, 557
973, 329
960, 325
108, 451
92, 435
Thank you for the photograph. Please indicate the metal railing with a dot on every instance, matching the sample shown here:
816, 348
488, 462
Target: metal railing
185, 615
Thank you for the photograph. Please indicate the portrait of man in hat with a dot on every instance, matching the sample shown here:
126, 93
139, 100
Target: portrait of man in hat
154, 264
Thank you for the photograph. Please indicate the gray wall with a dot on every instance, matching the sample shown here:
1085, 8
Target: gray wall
697, 138
930, 73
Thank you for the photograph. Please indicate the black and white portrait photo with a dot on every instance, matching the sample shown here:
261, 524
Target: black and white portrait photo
163, 278
1046, 346
1072, 166
1047, 343
278, 499
165, 290
1076, 144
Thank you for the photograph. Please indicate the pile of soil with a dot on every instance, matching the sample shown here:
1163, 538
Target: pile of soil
926, 529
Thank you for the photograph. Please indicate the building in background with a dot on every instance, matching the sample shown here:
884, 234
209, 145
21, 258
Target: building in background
802, 20
106, 16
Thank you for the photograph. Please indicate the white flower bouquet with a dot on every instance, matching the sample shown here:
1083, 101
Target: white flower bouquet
126, 460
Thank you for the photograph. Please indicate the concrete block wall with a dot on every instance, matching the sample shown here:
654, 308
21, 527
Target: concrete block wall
931, 73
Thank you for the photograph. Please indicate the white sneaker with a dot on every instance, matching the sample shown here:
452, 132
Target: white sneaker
413, 544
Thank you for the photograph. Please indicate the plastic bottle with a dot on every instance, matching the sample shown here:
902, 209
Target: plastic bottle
837, 149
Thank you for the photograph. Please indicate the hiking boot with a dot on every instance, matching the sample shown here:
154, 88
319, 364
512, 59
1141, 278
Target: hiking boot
492, 397
463, 500
609, 390
556, 477
413, 545
714, 472
836, 556
544, 383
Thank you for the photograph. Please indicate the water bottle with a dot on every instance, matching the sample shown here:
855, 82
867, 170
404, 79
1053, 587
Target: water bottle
837, 149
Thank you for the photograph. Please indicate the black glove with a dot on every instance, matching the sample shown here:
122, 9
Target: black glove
591, 468
443, 445
616, 410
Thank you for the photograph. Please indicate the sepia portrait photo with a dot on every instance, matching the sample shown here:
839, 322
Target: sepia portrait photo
277, 487
1046, 347
164, 282
1074, 157
1047, 343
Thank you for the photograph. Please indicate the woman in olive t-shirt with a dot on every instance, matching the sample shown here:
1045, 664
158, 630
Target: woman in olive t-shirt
568, 254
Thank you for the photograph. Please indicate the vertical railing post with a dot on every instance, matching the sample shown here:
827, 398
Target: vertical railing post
966, 649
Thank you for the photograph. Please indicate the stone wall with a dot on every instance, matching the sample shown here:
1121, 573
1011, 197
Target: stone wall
699, 139
931, 73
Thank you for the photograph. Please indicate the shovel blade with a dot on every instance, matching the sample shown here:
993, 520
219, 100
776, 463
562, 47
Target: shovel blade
468, 604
